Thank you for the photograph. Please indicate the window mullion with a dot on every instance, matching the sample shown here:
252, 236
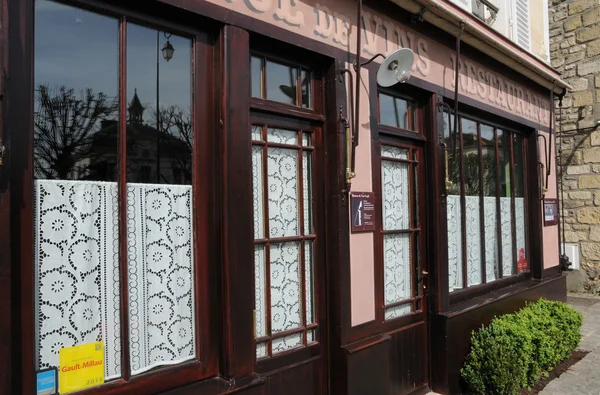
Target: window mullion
481, 206
512, 202
303, 231
268, 237
498, 206
463, 204
122, 183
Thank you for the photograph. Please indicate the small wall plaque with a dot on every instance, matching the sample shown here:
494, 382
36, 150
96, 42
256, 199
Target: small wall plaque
550, 212
363, 211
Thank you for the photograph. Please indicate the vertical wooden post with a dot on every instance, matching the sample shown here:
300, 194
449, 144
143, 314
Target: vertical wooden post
237, 219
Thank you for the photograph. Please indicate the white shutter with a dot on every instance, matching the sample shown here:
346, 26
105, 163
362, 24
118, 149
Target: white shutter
522, 26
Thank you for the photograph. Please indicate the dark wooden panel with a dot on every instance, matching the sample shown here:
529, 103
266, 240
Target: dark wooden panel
5, 270
368, 367
301, 379
452, 331
236, 226
408, 359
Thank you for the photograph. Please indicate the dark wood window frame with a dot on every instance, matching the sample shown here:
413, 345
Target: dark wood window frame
312, 120
466, 293
417, 242
205, 365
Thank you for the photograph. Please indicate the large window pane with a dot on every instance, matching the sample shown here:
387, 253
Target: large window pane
472, 186
75, 157
520, 209
160, 202
490, 178
506, 218
453, 210
393, 111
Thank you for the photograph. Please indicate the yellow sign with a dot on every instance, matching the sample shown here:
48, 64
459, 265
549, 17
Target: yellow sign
81, 367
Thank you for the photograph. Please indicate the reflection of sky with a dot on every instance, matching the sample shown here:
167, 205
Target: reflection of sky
487, 132
79, 49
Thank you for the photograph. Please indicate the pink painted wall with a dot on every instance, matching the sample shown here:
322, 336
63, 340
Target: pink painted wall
550, 233
362, 254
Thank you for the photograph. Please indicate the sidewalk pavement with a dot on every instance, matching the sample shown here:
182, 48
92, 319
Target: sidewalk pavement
583, 378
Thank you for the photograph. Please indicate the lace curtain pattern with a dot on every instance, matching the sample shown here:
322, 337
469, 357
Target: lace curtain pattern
396, 216
520, 227
288, 261
77, 272
491, 238
77, 269
161, 271
507, 241
454, 242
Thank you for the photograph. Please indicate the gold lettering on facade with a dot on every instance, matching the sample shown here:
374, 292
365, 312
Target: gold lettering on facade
383, 35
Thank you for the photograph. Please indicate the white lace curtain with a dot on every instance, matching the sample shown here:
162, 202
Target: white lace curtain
473, 241
77, 272
396, 216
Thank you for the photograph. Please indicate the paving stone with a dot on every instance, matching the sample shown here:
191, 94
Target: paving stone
583, 378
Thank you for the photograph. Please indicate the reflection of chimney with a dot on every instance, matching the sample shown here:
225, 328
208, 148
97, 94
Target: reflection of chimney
105, 123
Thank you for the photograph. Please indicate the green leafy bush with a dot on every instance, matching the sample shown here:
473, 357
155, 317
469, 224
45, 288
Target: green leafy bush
514, 350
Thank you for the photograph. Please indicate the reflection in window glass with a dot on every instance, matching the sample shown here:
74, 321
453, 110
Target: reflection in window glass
158, 137
393, 111
488, 152
256, 76
282, 81
472, 188
506, 218
76, 89
75, 156
159, 140
454, 212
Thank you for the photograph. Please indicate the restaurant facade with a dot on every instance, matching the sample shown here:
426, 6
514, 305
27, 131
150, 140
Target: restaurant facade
216, 196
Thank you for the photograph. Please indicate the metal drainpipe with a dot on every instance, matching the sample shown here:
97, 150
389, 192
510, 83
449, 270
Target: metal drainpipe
563, 258
456, 73
358, 79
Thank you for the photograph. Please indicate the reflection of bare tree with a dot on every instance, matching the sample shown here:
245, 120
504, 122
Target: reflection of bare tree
176, 127
64, 127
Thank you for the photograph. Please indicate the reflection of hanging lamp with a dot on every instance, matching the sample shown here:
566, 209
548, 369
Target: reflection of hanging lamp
168, 50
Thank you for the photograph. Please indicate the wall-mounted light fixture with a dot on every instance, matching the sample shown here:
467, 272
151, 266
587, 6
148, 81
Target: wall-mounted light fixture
394, 69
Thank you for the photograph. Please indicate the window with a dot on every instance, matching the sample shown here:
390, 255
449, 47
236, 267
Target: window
486, 204
401, 231
398, 112
82, 199
285, 236
279, 82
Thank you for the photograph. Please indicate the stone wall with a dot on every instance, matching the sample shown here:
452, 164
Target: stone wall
575, 52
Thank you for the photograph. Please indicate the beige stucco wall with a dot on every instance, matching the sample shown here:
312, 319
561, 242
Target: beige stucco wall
538, 10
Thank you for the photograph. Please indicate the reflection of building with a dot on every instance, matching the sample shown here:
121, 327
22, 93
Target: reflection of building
143, 149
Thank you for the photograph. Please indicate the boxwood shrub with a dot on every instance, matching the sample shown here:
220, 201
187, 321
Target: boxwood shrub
516, 349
